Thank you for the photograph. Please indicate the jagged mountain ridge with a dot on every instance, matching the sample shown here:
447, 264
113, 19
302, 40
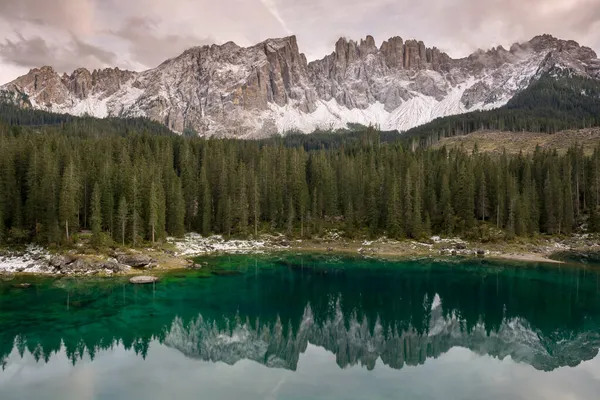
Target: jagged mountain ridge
270, 87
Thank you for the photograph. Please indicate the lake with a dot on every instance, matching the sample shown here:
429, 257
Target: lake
307, 327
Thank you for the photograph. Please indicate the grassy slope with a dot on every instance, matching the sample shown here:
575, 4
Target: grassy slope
515, 142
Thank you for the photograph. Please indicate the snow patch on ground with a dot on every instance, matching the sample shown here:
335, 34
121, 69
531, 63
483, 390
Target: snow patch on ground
193, 244
437, 239
33, 260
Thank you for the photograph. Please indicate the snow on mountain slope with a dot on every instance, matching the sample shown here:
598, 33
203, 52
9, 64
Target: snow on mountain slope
270, 88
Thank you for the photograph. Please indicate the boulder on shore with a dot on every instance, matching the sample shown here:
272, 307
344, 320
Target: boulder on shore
115, 267
135, 260
80, 267
140, 280
60, 261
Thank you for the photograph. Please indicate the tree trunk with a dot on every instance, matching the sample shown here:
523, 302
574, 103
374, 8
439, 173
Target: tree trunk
255, 223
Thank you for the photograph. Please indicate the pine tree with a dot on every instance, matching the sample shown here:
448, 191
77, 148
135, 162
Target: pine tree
394, 212
205, 202
568, 211
223, 201
50, 191
291, 218
481, 201
242, 201
464, 201
34, 199
314, 212
153, 212
135, 208
108, 199
2, 227
417, 223
447, 213
96, 215
68, 206
122, 217
427, 226
187, 160
255, 205
550, 218
407, 204
349, 218
177, 210
372, 203
513, 202
227, 214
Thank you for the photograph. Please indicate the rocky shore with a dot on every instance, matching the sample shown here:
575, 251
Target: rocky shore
36, 260
177, 253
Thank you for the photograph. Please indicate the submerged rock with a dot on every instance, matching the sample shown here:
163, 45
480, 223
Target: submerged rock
6, 276
197, 265
225, 272
22, 285
140, 280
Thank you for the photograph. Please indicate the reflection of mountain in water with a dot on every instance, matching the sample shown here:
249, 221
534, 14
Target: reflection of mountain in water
363, 311
355, 341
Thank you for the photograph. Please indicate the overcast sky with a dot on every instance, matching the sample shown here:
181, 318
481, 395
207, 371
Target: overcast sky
140, 34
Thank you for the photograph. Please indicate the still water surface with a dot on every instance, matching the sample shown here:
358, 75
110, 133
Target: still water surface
307, 327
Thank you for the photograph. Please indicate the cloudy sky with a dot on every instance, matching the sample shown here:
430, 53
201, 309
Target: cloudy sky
140, 34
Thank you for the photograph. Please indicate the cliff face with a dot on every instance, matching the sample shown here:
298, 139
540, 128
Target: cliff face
270, 88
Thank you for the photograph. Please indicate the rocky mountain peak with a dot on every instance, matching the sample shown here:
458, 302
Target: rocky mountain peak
45, 83
548, 42
277, 43
270, 87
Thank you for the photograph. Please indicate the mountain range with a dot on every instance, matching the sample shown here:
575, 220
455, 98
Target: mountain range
269, 88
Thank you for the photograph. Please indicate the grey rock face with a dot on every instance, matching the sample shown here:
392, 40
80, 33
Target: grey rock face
267, 88
135, 261
60, 261
80, 267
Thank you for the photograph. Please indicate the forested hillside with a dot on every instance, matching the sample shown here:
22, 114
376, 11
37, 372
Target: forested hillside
555, 102
68, 124
140, 187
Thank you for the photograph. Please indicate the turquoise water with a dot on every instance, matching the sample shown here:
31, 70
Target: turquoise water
307, 327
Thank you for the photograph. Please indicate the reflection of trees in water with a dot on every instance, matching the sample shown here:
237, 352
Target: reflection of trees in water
544, 318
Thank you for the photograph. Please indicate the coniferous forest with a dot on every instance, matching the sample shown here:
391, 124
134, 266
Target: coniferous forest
142, 187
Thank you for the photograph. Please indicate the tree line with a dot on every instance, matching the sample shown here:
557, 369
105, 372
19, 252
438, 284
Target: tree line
142, 188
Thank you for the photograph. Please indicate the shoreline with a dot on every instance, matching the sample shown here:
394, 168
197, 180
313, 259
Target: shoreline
420, 250
178, 254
